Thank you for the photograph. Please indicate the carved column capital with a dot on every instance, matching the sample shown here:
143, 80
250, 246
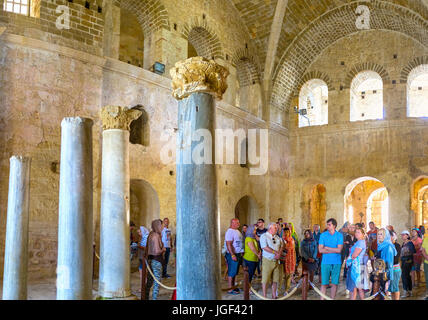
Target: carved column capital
115, 117
198, 74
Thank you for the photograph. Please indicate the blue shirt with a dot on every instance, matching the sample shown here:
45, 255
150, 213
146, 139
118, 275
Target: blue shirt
331, 241
362, 245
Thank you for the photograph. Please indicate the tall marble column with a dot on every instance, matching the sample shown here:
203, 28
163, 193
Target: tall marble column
16, 251
114, 279
195, 82
75, 225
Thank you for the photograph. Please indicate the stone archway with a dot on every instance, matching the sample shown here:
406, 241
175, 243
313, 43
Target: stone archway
419, 203
144, 203
366, 199
247, 210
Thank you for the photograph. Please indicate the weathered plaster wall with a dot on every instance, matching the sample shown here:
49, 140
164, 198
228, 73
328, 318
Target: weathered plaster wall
43, 83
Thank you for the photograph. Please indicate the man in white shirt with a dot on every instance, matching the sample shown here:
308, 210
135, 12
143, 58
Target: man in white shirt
272, 246
235, 248
167, 243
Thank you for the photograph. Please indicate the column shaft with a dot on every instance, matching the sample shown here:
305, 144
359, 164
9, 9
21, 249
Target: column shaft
75, 224
197, 243
114, 234
16, 251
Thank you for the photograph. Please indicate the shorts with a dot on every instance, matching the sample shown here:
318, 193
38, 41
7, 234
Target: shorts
416, 266
233, 266
270, 269
395, 281
330, 270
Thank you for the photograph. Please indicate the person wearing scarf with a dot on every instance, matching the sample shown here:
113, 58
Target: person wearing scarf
290, 258
154, 253
357, 278
386, 251
309, 251
297, 245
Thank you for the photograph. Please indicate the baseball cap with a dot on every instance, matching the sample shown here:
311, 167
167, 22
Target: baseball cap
406, 232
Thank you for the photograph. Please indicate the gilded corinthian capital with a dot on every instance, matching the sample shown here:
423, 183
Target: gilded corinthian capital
114, 117
198, 74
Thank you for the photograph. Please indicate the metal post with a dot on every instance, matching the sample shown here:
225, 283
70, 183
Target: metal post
143, 279
305, 285
246, 284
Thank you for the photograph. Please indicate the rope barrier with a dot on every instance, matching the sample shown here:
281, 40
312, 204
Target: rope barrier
319, 292
386, 297
373, 296
157, 281
328, 298
282, 298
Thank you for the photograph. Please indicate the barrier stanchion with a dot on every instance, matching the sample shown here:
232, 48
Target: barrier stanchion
93, 264
143, 279
246, 284
305, 285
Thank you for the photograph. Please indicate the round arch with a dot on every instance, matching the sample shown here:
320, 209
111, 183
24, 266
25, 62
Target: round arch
247, 210
366, 96
203, 39
294, 61
417, 91
365, 200
418, 205
144, 203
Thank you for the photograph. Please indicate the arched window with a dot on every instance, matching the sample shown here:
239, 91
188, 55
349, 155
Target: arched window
313, 103
199, 40
417, 92
131, 48
366, 96
139, 129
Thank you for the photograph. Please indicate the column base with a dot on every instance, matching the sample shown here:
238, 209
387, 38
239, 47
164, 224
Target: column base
131, 297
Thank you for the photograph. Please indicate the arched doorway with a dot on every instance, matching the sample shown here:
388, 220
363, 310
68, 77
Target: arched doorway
246, 210
144, 203
366, 199
419, 198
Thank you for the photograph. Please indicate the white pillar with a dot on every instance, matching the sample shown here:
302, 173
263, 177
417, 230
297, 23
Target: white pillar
75, 225
114, 279
16, 251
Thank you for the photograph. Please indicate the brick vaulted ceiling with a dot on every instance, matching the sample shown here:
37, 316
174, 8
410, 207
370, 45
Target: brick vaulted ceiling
316, 24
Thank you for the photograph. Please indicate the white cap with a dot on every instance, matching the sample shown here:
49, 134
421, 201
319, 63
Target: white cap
406, 232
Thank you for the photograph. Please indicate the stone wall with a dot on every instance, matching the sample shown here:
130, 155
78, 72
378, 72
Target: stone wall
86, 24
42, 83
393, 150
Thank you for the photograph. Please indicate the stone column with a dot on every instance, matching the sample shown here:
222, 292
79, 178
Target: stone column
75, 224
195, 81
16, 250
114, 279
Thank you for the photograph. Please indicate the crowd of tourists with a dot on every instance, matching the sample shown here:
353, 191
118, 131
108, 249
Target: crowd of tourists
275, 253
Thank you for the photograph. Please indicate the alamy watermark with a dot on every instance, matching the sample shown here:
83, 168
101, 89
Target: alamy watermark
63, 21
363, 18
199, 147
